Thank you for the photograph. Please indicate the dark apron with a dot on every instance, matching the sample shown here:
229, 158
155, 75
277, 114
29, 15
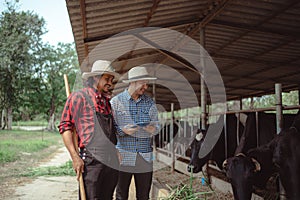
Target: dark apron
103, 140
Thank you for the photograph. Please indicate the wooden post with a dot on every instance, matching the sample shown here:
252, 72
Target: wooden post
75, 142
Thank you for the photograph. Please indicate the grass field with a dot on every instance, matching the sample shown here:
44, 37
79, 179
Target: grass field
22, 151
17, 143
30, 123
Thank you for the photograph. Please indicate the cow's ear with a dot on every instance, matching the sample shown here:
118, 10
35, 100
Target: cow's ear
257, 165
225, 165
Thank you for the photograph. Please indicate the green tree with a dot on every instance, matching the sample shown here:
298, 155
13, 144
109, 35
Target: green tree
58, 61
288, 98
20, 44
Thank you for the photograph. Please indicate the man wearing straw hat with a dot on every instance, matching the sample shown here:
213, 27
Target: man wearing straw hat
136, 120
88, 111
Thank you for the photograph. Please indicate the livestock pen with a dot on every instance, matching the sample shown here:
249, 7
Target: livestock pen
174, 153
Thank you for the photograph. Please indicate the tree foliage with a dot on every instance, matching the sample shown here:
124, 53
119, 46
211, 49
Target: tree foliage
58, 61
288, 98
20, 42
31, 71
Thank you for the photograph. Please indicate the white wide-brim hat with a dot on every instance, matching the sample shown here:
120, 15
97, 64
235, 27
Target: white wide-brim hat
101, 67
138, 74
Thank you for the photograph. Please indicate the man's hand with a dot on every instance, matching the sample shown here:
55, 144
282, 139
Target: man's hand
78, 166
78, 163
130, 129
150, 128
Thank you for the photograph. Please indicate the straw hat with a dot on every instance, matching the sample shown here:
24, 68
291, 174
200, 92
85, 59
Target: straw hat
138, 74
101, 67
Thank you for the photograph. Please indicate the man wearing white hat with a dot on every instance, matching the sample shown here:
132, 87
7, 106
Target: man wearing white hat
136, 120
88, 111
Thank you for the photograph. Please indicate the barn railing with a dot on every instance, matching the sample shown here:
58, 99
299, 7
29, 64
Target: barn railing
189, 124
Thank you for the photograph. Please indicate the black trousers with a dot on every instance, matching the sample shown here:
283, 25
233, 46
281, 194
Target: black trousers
142, 180
99, 180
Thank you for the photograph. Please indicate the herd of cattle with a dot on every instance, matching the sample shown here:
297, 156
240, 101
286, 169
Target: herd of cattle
253, 158
249, 164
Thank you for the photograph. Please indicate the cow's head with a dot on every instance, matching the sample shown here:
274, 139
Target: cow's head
196, 163
241, 171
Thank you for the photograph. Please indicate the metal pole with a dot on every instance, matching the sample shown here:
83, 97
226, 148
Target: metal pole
278, 93
298, 94
202, 82
279, 123
188, 123
238, 128
225, 136
185, 123
171, 138
257, 128
238, 123
154, 88
153, 138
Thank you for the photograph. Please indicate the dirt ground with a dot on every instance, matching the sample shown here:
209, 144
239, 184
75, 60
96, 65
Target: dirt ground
172, 179
66, 187
23, 188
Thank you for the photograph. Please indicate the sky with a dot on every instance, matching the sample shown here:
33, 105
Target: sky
55, 14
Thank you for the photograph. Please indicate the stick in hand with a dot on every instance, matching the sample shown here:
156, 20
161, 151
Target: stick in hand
75, 142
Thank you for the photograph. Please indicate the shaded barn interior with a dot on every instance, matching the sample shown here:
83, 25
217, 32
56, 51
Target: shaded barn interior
254, 44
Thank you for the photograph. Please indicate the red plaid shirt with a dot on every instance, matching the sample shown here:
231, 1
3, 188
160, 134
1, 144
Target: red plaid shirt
78, 114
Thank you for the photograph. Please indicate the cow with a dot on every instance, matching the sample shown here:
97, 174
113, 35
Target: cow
253, 166
217, 152
266, 130
245, 170
286, 157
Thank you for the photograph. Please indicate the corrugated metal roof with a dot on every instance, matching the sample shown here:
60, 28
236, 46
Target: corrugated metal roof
254, 43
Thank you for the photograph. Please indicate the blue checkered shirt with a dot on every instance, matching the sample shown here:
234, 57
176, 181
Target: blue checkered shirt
128, 111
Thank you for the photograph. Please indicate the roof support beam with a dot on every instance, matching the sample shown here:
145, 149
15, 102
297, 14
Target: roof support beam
246, 27
221, 4
168, 54
146, 23
151, 12
84, 27
163, 25
251, 60
217, 9
268, 18
265, 52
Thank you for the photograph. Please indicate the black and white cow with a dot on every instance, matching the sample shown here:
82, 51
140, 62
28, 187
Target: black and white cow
253, 166
217, 152
245, 170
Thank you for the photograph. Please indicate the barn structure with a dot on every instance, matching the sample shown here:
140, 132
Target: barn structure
243, 48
